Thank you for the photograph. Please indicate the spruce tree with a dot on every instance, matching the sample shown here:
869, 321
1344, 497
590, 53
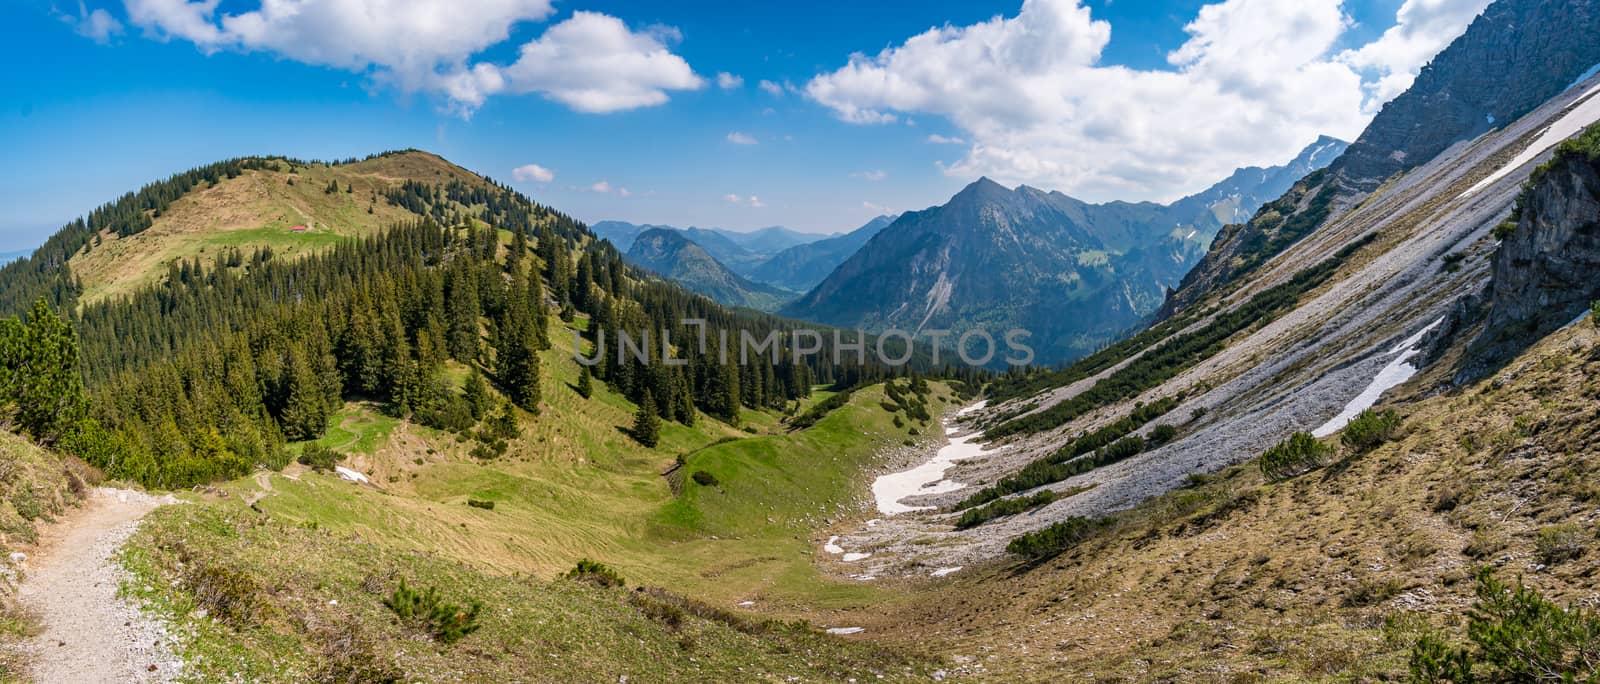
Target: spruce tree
305, 411
476, 392
646, 423
585, 382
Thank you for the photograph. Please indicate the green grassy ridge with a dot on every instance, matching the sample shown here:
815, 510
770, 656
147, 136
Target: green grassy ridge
321, 606
785, 481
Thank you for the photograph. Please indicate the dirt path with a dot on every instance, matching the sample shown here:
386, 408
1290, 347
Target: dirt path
91, 635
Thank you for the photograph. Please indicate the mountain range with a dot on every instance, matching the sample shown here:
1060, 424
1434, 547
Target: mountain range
672, 254
775, 257
1073, 274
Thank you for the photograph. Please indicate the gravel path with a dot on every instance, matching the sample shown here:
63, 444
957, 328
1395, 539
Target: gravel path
90, 634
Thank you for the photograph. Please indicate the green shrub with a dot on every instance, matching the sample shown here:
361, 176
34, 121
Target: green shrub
1055, 539
1561, 543
480, 503
1505, 229
702, 477
318, 457
974, 517
1515, 635
447, 623
1299, 454
1370, 429
1163, 433
595, 572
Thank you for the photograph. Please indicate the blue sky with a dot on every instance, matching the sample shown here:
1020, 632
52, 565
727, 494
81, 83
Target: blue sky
1108, 100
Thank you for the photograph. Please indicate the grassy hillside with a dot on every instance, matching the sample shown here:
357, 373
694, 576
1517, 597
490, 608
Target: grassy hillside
259, 209
1331, 575
36, 486
318, 614
574, 486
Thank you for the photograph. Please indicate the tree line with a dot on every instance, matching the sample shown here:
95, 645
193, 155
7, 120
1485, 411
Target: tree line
219, 367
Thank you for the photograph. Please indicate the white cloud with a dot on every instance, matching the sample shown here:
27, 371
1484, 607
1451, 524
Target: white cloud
871, 206
727, 81
600, 187
738, 138
97, 25
1422, 28
944, 140
590, 62
624, 192
773, 89
533, 173
751, 201
731, 198
1255, 82
756, 202
873, 175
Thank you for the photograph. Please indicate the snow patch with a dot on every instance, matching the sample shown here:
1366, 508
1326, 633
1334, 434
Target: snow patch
351, 475
1586, 111
928, 478
845, 630
854, 556
833, 546
941, 572
1399, 370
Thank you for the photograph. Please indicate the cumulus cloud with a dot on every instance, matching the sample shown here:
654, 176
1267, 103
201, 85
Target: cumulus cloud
97, 25
533, 173
873, 175
945, 140
1254, 82
731, 198
591, 62
738, 138
772, 88
751, 201
1422, 28
727, 81
601, 187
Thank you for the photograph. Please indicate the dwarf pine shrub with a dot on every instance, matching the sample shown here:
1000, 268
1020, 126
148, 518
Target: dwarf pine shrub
424, 610
319, 457
1370, 429
1055, 539
596, 572
1299, 454
1514, 635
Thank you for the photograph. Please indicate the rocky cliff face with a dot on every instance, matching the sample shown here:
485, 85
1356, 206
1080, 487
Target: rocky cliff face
1514, 57
1544, 273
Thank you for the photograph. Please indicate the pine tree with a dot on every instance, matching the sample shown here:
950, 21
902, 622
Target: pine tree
476, 392
646, 423
42, 378
585, 382
305, 411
